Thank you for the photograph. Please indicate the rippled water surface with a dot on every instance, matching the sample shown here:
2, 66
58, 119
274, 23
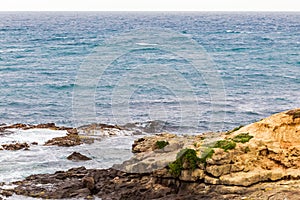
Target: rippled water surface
255, 54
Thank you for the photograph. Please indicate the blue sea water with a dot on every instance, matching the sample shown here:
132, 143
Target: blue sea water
256, 56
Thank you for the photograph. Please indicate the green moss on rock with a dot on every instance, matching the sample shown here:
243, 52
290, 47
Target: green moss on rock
161, 144
208, 153
235, 129
175, 168
225, 144
242, 138
187, 158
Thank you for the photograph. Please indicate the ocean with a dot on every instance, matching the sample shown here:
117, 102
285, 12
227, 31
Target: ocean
185, 73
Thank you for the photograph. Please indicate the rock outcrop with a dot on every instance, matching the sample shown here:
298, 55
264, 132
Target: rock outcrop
257, 161
71, 139
103, 130
15, 146
65, 141
114, 184
281, 128
75, 156
51, 126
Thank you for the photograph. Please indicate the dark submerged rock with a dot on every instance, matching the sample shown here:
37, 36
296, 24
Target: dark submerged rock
75, 156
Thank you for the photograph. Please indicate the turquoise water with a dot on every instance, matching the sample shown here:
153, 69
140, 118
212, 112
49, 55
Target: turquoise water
256, 56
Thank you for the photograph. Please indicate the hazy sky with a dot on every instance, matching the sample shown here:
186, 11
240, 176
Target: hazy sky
150, 5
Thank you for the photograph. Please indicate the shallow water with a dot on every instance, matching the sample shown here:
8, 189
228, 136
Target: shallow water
16, 165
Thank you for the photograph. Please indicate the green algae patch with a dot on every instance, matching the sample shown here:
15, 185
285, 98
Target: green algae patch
186, 159
161, 144
233, 130
242, 138
175, 168
225, 144
208, 153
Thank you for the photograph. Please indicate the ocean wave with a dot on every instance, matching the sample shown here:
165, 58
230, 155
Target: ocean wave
60, 38
60, 87
237, 49
154, 126
31, 135
135, 128
145, 44
232, 31
12, 69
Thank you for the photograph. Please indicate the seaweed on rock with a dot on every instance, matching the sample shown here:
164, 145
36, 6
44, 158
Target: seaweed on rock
242, 138
186, 159
161, 144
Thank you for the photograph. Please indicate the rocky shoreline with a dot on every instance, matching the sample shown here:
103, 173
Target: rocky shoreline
114, 184
257, 161
72, 137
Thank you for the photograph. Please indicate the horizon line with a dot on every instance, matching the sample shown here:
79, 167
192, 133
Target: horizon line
149, 11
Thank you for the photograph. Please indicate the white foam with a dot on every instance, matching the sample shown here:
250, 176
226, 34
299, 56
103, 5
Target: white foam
19, 197
16, 165
106, 132
31, 135
145, 44
8, 187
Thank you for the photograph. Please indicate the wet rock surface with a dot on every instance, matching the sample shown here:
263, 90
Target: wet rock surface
51, 126
65, 141
15, 146
103, 130
99, 126
75, 156
6, 193
71, 139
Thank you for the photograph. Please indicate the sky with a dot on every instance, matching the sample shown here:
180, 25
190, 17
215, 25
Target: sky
149, 5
